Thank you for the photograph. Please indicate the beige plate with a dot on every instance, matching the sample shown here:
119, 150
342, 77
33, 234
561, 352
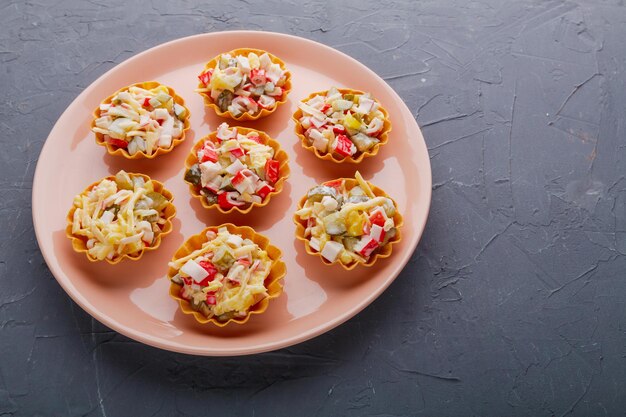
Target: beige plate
132, 297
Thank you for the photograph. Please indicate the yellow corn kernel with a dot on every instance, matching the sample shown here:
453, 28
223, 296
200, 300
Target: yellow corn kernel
355, 223
351, 123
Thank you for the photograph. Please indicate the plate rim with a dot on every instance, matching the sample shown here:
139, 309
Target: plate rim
151, 340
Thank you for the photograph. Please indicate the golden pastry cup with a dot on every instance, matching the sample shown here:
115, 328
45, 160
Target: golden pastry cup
272, 282
329, 156
279, 154
209, 102
113, 150
382, 252
79, 243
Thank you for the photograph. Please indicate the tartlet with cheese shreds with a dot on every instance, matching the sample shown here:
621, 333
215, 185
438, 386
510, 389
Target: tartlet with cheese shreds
226, 273
348, 221
120, 216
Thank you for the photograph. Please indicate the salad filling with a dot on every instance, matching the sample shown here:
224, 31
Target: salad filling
141, 120
119, 216
347, 224
225, 277
344, 123
234, 169
246, 83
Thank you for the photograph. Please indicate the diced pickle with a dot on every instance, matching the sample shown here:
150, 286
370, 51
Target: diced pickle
363, 142
223, 257
224, 100
228, 187
193, 175
350, 242
158, 200
316, 194
226, 316
196, 306
123, 181
357, 199
210, 196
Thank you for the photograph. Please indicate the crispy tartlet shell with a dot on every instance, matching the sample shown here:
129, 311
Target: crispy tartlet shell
209, 102
279, 154
383, 252
112, 150
272, 282
328, 156
79, 243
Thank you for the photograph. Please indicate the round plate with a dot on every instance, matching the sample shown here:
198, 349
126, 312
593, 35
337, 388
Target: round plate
132, 297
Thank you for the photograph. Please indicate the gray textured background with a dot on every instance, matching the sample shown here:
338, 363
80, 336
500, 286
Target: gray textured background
513, 304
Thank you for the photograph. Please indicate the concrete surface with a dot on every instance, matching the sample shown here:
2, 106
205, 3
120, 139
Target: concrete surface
513, 304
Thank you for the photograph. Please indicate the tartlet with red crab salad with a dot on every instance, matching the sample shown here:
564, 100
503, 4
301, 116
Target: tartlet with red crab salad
348, 221
342, 125
235, 169
141, 121
120, 216
244, 84
226, 273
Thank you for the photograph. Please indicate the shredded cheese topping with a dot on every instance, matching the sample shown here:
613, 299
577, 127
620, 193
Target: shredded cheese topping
118, 216
347, 224
224, 277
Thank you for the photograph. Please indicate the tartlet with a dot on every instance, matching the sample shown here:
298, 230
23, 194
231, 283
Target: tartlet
225, 274
236, 169
342, 125
121, 216
143, 120
348, 221
244, 84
